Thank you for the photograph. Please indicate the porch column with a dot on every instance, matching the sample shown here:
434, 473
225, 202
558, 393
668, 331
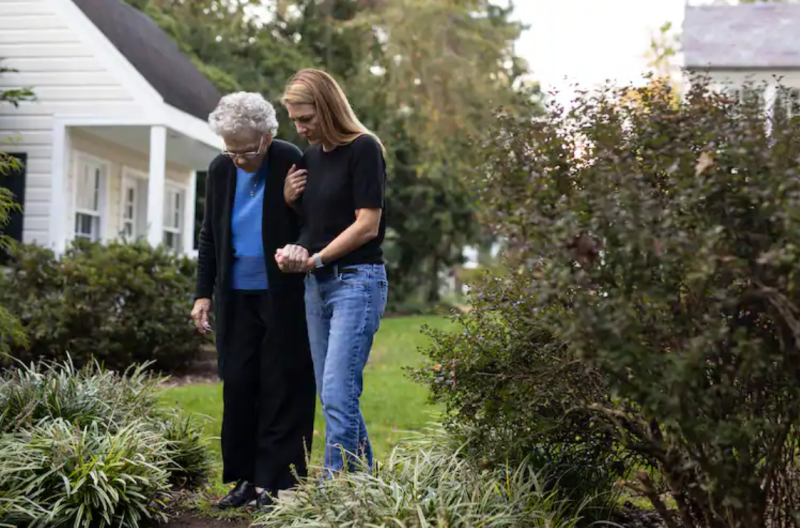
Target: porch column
155, 185
188, 218
62, 226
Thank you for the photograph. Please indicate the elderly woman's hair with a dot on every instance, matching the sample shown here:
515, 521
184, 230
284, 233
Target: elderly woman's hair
243, 111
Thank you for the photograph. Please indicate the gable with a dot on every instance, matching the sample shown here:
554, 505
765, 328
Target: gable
154, 55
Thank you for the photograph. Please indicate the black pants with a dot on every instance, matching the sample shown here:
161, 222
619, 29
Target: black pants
269, 399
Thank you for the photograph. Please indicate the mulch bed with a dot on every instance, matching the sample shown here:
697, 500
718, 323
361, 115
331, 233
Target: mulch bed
204, 370
633, 517
636, 519
193, 521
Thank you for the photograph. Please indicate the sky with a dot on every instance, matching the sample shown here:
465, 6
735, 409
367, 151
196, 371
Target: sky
590, 41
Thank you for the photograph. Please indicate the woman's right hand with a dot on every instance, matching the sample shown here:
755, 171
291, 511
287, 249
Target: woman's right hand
294, 185
200, 315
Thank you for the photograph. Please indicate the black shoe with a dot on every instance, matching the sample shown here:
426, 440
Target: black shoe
243, 494
265, 501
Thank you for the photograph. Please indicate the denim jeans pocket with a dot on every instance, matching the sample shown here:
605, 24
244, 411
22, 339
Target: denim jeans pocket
353, 276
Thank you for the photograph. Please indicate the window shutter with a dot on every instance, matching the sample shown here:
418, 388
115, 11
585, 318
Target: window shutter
14, 181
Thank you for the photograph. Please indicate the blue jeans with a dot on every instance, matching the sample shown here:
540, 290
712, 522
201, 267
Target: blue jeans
344, 312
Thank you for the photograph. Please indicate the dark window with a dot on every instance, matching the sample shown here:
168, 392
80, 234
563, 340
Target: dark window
15, 182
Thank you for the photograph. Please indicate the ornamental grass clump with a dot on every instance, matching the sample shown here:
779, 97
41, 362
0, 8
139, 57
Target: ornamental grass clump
91, 448
428, 481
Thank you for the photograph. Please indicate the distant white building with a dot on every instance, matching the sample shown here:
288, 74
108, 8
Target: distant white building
112, 144
746, 43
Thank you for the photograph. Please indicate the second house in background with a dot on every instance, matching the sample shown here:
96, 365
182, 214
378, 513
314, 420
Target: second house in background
753, 44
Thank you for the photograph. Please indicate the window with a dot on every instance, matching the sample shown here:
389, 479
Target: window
89, 188
174, 204
133, 204
129, 195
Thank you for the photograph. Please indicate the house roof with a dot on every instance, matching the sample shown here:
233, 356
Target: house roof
743, 36
154, 54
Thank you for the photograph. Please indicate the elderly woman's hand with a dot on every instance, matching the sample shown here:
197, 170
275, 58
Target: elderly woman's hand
200, 315
294, 259
294, 185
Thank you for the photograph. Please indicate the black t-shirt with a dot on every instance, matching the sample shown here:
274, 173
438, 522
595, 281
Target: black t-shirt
347, 178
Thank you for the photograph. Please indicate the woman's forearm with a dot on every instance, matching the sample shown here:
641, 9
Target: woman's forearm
364, 229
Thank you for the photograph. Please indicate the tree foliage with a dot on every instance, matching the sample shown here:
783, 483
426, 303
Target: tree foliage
653, 309
448, 65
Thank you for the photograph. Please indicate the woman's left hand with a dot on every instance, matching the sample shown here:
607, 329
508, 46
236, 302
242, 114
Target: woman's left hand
294, 259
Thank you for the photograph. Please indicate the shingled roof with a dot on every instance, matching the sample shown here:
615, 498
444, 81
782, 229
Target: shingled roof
743, 36
154, 54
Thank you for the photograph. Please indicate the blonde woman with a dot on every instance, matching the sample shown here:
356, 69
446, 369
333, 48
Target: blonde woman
339, 190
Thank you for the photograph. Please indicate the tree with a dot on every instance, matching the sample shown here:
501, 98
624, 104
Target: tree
440, 72
431, 218
446, 65
664, 47
11, 332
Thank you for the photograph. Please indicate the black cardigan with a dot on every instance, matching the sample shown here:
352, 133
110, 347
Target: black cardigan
281, 226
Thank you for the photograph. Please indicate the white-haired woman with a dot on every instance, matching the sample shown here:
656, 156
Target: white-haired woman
262, 339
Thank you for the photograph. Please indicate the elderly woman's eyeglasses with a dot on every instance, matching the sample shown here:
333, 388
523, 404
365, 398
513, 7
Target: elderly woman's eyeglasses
246, 155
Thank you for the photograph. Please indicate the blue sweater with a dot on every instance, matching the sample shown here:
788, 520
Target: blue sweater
249, 266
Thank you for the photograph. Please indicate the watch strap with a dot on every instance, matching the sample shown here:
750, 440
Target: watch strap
317, 260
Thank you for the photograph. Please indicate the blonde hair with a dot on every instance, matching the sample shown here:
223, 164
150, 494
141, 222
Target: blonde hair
338, 122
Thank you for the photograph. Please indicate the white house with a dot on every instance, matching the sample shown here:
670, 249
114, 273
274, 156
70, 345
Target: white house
755, 44
113, 142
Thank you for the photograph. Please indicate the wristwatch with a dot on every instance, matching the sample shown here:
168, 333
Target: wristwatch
317, 260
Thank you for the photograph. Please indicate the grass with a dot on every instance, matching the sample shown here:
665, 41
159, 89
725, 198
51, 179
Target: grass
392, 404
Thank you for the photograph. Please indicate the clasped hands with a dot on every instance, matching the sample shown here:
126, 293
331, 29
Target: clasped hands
294, 259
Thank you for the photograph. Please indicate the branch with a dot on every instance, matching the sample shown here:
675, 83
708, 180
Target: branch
648, 490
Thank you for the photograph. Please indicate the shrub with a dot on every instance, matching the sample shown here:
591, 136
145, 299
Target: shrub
657, 250
91, 448
426, 482
121, 304
519, 389
12, 334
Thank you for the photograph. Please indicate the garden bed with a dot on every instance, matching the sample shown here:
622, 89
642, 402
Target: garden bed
195, 521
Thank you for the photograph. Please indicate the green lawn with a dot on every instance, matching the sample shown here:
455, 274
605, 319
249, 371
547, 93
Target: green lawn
392, 404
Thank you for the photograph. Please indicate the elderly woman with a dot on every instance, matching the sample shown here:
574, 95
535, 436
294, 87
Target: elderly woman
263, 352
